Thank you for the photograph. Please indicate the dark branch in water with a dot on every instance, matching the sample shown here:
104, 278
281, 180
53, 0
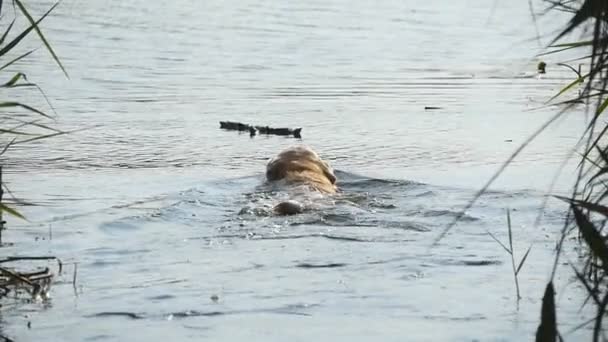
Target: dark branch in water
253, 130
330, 265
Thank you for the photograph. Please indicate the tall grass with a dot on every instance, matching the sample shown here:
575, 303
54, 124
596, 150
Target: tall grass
588, 201
21, 122
511, 251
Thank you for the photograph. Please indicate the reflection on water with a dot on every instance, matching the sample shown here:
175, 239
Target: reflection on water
147, 200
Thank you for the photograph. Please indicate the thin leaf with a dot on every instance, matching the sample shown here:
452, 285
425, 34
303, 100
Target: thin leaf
6, 147
521, 263
577, 72
602, 153
566, 46
36, 124
8, 47
12, 131
590, 290
577, 59
495, 176
568, 87
14, 198
46, 43
16, 59
500, 243
11, 211
579, 99
17, 104
594, 207
10, 26
601, 108
573, 44
22, 85
593, 238
587, 10
53, 135
556, 51
586, 157
14, 80
510, 232
40, 137
580, 326
17, 77
597, 139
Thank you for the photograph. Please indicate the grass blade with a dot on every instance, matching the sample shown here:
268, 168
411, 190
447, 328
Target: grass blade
18, 104
592, 236
495, 176
11, 211
521, 263
10, 26
500, 243
15, 60
40, 137
556, 51
12, 131
577, 72
601, 108
573, 44
568, 87
46, 43
53, 135
547, 330
8, 47
5, 148
510, 232
14, 80
597, 208
585, 12
39, 125
590, 291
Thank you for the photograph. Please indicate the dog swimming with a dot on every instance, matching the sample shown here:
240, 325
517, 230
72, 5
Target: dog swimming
300, 166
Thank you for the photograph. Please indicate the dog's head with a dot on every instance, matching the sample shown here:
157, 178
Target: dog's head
301, 165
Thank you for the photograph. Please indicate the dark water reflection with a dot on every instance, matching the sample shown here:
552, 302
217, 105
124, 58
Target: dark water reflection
147, 200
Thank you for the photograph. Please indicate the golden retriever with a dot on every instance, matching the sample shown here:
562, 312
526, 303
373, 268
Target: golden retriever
300, 165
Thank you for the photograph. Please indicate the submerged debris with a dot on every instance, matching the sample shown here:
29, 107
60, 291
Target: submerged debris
36, 282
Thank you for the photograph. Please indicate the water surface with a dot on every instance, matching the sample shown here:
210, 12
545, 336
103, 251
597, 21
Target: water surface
157, 205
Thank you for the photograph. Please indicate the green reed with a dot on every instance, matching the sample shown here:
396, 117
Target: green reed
510, 250
588, 201
21, 122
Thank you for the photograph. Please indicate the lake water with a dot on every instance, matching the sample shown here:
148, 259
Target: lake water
156, 204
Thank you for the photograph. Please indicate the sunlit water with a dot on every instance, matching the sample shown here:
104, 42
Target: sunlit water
165, 213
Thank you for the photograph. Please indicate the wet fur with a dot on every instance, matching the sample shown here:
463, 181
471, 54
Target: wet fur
300, 165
